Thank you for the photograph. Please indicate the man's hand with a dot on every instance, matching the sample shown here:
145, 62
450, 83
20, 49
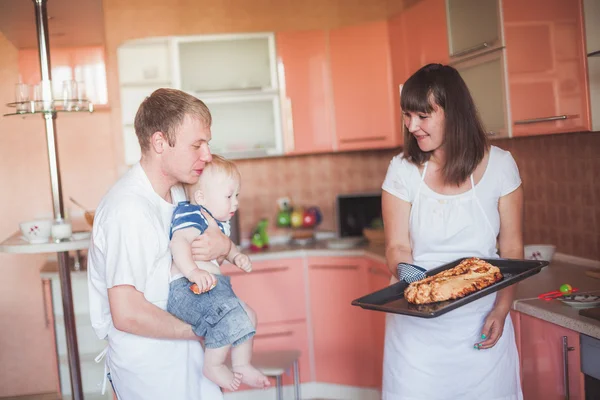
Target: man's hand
203, 279
212, 244
243, 262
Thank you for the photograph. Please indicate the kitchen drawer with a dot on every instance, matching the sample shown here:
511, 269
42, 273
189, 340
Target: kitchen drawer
274, 289
79, 287
87, 341
286, 336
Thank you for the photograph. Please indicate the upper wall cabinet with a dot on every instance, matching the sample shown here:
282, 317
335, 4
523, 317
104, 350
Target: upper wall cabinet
363, 93
424, 34
473, 26
307, 106
218, 63
546, 60
144, 66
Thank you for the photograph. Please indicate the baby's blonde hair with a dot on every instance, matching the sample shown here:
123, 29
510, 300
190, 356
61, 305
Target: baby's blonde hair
218, 164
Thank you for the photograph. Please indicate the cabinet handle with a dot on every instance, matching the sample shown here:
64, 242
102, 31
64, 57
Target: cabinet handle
543, 119
377, 271
260, 271
338, 267
45, 282
364, 139
566, 350
480, 46
272, 335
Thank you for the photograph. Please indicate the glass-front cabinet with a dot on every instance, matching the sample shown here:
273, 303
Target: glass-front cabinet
235, 75
486, 80
474, 26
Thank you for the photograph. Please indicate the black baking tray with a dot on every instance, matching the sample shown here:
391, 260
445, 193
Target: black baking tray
391, 299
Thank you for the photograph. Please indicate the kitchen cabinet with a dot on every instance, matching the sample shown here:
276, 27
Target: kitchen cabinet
307, 106
88, 344
269, 282
592, 35
549, 353
342, 333
546, 65
363, 93
425, 35
286, 336
485, 77
379, 277
473, 26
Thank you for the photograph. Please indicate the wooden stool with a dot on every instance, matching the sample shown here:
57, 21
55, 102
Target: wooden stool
275, 364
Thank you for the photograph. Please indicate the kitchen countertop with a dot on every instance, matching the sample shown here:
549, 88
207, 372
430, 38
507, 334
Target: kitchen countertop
526, 301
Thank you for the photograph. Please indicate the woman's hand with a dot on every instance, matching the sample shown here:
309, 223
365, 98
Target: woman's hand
492, 329
212, 244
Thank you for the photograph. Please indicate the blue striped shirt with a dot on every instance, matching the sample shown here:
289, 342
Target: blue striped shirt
188, 215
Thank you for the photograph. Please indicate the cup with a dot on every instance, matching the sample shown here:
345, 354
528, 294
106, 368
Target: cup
81, 95
22, 97
61, 230
70, 94
42, 95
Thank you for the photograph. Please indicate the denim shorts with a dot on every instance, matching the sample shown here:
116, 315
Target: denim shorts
217, 314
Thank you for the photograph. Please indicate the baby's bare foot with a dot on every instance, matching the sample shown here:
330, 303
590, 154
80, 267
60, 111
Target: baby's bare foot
223, 376
251, 376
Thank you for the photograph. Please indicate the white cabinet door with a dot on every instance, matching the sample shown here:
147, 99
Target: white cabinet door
473, 26
144, 62
219, 63
246, 127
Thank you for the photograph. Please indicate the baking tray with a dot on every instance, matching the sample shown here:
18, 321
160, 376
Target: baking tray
391, 299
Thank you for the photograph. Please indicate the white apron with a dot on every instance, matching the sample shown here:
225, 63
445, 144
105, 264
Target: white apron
434, 359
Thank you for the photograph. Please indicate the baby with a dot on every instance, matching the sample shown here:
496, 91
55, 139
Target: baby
215, 313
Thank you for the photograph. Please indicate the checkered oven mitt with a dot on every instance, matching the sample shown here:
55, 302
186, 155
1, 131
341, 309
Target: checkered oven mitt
410, 273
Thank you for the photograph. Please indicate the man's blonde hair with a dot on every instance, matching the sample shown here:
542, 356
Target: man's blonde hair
164, 111
218, 164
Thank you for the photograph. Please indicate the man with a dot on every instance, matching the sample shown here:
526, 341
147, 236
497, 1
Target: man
151, 354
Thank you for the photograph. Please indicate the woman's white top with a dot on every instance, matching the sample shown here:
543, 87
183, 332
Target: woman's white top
434, 359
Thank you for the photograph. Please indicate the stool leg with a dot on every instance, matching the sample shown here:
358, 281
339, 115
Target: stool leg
279, 388
296, 381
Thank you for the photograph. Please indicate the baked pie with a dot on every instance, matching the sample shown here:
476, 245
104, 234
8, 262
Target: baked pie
469, 276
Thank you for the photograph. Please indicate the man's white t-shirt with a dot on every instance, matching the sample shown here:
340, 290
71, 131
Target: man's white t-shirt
130, 246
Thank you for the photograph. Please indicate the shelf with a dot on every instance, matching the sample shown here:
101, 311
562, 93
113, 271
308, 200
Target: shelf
57, 106
17, 245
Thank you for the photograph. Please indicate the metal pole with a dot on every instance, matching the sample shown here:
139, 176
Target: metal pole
41, 19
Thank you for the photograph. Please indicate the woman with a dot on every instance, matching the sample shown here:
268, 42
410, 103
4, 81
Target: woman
450, 195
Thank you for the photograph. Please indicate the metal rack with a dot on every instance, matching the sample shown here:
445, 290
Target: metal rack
48, 109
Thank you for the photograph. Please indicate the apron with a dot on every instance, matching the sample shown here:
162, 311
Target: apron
434, 359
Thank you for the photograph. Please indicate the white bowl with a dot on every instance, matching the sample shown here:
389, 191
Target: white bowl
543, 252
36, 232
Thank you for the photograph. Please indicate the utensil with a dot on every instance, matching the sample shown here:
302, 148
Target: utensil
78, 204
593, 274
555, 294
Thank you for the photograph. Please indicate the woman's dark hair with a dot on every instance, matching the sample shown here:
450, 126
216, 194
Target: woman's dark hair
465, 140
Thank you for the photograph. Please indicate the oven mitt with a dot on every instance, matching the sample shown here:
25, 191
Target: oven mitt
410, 273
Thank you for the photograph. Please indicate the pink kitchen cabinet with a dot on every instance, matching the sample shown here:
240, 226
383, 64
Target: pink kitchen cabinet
343, 344
307, 106
363, 91
274, 289
379, 277
425, 34
543, 362
547, 66
286, 336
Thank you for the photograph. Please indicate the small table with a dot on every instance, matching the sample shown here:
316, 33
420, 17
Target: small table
275, 364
